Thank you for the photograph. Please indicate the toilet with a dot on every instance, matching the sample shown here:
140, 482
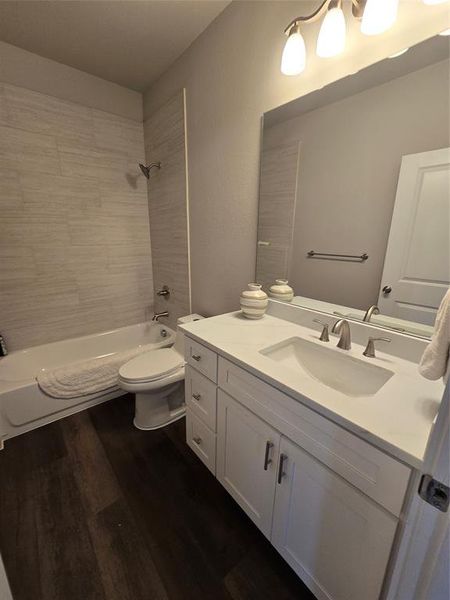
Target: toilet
157, 380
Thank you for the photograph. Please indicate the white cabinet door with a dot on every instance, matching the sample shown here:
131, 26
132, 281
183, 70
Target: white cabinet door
337, 540
247, 456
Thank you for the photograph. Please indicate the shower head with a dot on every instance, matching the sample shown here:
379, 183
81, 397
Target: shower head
146, 168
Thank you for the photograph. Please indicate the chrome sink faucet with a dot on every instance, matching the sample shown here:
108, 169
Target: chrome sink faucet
372, 310
343, 328
159, 315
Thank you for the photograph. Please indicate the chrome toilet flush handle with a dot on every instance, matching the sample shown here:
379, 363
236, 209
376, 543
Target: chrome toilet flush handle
370, 348
196, 357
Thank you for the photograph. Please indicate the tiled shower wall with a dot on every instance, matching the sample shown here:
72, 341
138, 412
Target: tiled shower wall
74, 230
165, 142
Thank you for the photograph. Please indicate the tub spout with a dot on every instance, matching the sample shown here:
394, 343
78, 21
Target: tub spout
158, 316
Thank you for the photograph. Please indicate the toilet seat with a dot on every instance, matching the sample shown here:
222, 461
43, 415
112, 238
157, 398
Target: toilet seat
152, 366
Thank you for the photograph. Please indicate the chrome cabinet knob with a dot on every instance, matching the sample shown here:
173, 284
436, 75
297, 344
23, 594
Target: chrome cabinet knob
196, 357
196, 397
387, 289
197, 440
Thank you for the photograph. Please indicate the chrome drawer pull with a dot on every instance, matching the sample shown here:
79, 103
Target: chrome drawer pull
196, 357
281, 473
267, 460
196, 397
198, 440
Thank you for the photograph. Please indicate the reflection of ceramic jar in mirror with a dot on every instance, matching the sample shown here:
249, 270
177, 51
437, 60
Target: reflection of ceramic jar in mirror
280, 290
254, 301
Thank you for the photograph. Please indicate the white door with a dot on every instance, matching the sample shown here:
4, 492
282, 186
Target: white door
336, 539
422, 570
416, 271
247, 453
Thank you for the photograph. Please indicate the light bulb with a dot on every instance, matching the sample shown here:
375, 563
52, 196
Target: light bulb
293, 61
331, 40
379, 16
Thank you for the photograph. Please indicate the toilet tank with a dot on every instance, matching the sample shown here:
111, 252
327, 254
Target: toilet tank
179, 340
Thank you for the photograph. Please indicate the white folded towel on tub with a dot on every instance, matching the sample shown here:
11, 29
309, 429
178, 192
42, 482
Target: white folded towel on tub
87, 377
435, 362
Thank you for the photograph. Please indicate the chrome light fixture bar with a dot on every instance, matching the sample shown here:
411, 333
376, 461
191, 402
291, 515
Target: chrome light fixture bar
376, 17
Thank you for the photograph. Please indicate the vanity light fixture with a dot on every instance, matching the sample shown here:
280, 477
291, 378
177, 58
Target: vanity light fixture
293, 60
376, 17
331, 40
379, 16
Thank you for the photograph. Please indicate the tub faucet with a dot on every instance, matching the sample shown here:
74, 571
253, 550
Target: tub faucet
158, 316
372, 310
343, 328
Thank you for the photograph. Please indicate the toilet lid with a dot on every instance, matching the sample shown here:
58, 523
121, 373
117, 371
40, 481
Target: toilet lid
152, 365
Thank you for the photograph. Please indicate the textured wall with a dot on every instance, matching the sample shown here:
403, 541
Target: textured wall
232, 76
167, 195
276, 211
74, 231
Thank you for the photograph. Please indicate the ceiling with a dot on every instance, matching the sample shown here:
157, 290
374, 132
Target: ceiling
129, 42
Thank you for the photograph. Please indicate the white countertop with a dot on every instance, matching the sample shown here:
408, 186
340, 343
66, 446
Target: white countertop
397, 419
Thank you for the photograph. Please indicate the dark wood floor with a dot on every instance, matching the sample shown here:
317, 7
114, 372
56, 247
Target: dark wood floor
92, 508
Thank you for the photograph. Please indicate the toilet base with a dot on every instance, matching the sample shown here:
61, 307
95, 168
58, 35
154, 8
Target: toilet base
181, 415
159, 408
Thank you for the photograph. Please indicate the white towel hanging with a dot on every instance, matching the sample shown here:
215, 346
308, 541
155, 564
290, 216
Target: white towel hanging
435, 362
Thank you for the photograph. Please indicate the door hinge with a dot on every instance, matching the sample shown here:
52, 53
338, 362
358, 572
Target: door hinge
434, 492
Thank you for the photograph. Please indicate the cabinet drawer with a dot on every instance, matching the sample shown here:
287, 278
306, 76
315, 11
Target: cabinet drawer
202, 440
378, 475
201, 397
200, 357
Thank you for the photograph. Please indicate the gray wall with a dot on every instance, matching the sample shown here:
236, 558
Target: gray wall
74, 231
167, 196
348, 171
28, 70
232, 76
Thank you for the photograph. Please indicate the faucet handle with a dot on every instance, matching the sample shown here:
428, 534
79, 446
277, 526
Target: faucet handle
370, 348
324, 337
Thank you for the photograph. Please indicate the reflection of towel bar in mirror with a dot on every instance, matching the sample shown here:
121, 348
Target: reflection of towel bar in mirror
361, 257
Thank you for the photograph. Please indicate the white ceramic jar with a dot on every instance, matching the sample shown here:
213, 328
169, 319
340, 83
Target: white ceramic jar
254, 301
280, 290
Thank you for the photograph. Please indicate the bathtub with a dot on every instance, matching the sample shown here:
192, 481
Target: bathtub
23, 406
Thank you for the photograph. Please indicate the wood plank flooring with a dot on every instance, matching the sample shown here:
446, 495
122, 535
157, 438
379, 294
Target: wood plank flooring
93, 509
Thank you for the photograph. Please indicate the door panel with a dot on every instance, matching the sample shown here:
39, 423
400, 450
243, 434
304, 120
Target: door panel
337, 540
417, 263
242, 439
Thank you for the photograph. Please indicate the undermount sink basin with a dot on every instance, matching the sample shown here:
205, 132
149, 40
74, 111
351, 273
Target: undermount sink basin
332, 367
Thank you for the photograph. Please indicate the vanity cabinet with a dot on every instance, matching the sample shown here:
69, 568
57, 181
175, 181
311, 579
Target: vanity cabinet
247, 454
328, 501
337, 540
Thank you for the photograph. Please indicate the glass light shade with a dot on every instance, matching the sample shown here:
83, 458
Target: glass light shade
331, 40
293, 61
379, 16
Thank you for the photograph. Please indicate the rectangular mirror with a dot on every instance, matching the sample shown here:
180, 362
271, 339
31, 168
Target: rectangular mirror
354, 206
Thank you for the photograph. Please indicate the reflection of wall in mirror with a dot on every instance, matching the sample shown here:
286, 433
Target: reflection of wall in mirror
351, 152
